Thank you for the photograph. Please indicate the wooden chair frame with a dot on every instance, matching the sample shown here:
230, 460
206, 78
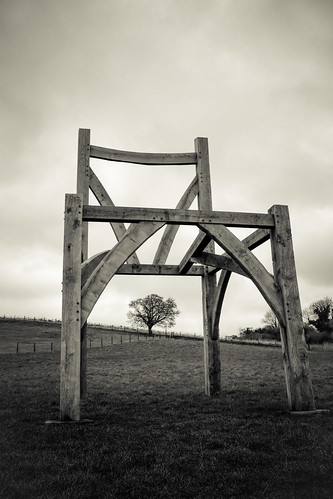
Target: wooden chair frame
84, 279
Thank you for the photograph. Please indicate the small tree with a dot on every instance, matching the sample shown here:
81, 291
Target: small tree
270, 320
153, 310
322, 313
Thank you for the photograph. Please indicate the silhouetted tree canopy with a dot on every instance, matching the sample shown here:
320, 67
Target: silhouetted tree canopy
152, 310
317, 319
270, 320
320, 314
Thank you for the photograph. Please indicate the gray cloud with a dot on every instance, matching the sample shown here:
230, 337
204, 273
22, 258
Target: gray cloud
254, 77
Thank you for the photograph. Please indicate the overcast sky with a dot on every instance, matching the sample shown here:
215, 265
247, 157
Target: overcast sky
254, 76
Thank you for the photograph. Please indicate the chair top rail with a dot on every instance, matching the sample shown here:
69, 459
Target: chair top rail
143, 158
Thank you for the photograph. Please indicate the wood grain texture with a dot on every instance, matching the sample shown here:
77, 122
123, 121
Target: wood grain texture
252, 241
218, 261
71, 299
170, 231
143, 158
221, 290
135, 236
258, 237
83, 159
90, 264
137, 269
225, 261
295, 356
240, 253
196, 248
147, 269
212, 363
83, 180
176, 216
104, 199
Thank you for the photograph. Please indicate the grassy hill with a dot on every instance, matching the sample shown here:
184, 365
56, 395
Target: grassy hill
156, 435
28, 332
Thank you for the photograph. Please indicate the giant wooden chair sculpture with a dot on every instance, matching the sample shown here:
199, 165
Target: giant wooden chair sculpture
84, 279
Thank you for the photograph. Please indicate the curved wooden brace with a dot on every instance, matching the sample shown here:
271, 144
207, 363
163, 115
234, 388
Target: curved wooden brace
170, 231
220, 262
104, 199
196, 248
221, 289
89, 266
262, 279
135, 236
143, 158
252, 241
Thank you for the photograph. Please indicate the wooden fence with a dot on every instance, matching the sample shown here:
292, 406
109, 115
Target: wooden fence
54, 345
116, 337
121, 336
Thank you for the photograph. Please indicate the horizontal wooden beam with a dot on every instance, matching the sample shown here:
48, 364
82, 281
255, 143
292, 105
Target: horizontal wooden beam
143, 158
185, 267
147, 269
176, 216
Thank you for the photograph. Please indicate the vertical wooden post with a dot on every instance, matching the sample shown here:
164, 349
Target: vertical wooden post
71, 311
295, 357
83, 189
211, 331
212, 363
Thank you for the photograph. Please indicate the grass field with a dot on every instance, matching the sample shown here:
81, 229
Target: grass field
26, 336
155, 435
